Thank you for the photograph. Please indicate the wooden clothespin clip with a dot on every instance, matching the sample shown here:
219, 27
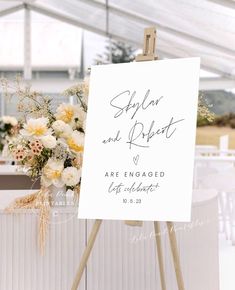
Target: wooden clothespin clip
149, 45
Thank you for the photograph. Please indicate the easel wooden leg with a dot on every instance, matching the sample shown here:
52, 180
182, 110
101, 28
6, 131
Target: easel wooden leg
159, 254
175, 255
86, 254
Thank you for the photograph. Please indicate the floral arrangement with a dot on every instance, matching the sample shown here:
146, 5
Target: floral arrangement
9, 128
52, 148
49, 146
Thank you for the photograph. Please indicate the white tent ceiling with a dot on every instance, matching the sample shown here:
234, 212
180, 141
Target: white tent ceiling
204, 28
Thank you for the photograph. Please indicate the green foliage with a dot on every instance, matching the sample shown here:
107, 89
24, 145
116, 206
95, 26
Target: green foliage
202, 121
121, 52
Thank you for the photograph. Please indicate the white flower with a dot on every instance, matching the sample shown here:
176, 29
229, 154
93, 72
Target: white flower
58, 126
76, 142
71, 176
62, 129
68, 113
52, 173
36, 128
48, 141
9, 120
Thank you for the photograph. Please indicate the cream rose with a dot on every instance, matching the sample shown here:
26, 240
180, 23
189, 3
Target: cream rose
58, 126
71, 176
48, 141
62, 129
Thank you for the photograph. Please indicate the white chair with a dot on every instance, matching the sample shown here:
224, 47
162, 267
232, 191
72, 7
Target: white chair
201, 172
224, 182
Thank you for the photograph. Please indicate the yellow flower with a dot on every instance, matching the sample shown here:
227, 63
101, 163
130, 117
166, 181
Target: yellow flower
37, 131
76, 141
52, 173
74, 146
36, 127
68, 113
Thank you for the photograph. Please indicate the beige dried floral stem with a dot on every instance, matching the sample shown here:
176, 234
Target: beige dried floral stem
30, 102
76, 194
81, 91
38, 200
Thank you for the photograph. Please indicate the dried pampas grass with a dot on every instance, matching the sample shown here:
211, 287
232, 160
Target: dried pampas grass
38, 200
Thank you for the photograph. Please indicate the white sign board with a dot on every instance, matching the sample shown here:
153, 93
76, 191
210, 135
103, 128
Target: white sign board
140, 139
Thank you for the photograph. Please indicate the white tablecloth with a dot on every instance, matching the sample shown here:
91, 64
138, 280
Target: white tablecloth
123, 258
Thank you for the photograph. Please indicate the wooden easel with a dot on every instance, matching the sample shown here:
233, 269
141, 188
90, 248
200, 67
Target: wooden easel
148, 55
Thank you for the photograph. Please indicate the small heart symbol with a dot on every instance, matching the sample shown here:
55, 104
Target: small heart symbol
136, 159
